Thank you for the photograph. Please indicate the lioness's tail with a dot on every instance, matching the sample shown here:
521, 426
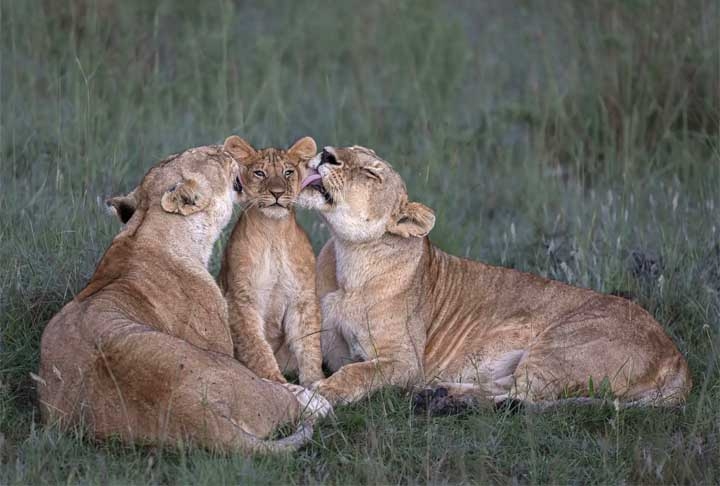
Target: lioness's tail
301, 436
314, 407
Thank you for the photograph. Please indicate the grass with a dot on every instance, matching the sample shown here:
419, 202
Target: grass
577, 140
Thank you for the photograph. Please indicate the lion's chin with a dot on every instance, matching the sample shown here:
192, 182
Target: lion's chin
275, 211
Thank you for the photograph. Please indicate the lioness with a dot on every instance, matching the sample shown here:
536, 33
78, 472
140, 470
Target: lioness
398, 310
268, 271
144, 351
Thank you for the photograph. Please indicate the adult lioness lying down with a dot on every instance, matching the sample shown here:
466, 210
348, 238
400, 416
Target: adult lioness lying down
144, 351
398, 310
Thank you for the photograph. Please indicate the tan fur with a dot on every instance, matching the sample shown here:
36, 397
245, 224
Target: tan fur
268, 271
144, 352
398, 310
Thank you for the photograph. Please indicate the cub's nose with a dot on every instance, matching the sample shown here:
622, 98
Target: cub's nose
276, 187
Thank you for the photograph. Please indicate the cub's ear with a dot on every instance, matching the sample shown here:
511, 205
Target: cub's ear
305, 148
123, 206
414, 219
185, 198
238, 148
374, 170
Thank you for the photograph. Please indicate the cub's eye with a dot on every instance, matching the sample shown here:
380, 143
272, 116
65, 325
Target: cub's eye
288, 173
260, 174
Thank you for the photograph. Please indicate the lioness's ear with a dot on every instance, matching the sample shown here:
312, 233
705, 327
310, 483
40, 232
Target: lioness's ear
305, 148
414, 219
185, 198
123, 206
374, 170
238, 147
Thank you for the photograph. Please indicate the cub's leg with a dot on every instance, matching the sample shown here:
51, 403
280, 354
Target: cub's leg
302, 330
251, 347
631, 353
325, 270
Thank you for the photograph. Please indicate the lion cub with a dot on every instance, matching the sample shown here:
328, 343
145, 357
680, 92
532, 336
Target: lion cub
268, 270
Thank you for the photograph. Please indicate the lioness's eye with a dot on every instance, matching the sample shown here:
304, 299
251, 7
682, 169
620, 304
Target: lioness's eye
288, 173
260, 174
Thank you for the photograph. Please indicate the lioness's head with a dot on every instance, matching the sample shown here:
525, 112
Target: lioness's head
199, 181
271, 177
362, 197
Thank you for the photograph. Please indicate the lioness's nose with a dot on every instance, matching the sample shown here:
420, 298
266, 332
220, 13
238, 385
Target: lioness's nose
328, 157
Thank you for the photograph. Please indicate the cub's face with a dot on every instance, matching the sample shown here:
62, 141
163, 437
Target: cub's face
271, 177
361, 196
271, 181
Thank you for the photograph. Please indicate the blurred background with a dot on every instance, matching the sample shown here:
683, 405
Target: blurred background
575, 139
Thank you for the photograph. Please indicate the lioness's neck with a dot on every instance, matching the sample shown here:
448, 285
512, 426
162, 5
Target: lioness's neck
360, 264
154, 237
188, 237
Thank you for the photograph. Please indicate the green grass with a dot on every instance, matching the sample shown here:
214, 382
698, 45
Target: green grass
578, 140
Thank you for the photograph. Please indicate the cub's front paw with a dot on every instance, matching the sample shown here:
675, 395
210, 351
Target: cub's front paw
274, 376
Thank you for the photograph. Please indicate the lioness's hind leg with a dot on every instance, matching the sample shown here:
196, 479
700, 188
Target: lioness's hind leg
174, 390
599, 356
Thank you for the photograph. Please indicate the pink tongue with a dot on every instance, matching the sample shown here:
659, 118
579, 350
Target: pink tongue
309, 180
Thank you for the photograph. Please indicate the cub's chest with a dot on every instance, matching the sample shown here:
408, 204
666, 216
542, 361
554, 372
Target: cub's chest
273, 280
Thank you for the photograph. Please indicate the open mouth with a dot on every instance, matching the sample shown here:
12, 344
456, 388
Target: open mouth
314, 180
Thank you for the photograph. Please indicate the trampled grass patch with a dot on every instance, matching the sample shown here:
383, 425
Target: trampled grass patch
578, 141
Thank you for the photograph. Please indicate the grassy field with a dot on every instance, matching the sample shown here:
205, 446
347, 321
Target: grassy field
578, 140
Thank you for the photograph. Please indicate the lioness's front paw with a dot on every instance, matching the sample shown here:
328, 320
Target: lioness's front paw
313, 403
327, 390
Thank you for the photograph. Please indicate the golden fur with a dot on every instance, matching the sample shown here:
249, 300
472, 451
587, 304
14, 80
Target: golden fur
398, 310
268, 271
144, 351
